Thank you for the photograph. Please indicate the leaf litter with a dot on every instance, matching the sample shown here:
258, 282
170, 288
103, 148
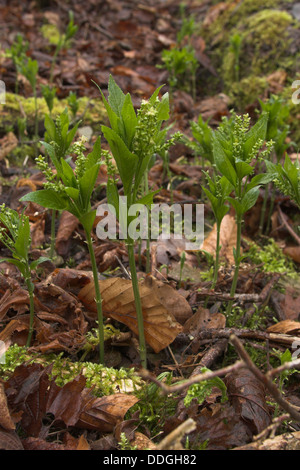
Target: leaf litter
179, 329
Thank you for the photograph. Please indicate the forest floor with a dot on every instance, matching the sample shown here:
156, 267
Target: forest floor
54, 394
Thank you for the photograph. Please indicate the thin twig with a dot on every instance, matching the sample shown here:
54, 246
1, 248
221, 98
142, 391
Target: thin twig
167, 389
172, 440
293, 411
287, 226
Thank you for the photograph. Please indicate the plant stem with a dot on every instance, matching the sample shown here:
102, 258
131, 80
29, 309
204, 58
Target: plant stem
31, 308
138, 304
217, 256
263, 210
52, 245
270, 212
98, 299
237, 263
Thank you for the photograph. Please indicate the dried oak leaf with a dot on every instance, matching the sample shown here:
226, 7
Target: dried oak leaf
68, 223
203, 319
9, 440
17, 300
6, 421
32, 391
118, 303
247, 395
287, 327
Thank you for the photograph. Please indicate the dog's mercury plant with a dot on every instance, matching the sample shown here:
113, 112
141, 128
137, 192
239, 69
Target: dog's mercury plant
71, 191
236, 148
133, 139
15, 236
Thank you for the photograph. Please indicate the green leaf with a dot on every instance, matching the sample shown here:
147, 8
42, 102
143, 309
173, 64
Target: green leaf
222, 161
126, 161
38, 261
112, 195
243, 169
116, 97
95, 155
87, 221
128, 121
73, 193
258, 131
23, 238
46, 198
148, 199
259, 180
67, 174
250, 198
163, 108
87, 183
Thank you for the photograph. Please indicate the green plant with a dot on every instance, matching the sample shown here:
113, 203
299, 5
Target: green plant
71, 191
153, 406
181, 64
219, 188
235, 150
133, 140
124, 443
235, 48
286, 177
58, 139
73, 103
30, 71
17, 52
15, 236
64, 42
203, 140
203, 389
277, 131
49, 94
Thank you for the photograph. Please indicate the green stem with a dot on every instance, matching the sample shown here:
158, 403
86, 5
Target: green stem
217, 256
31, 308
270, 212
52, 243
98, 299
138, 303
148, 237
58, 48
263, 210
237, 263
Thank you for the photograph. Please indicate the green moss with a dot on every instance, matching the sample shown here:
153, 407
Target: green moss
103, 380
16, 105
272, 259
267, 33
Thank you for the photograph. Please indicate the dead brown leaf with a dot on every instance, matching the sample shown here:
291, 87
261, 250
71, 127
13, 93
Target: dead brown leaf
31, 391
287, 327
293, 252
67, 225
203, 319
171, 299
228, 234
8, 143
118, 303
6, 421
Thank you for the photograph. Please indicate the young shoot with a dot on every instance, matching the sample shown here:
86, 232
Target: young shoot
236, 150
64, 42
71, 191
133, 139
15, 236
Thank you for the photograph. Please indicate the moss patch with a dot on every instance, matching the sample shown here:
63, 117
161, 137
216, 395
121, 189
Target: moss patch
16, 106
